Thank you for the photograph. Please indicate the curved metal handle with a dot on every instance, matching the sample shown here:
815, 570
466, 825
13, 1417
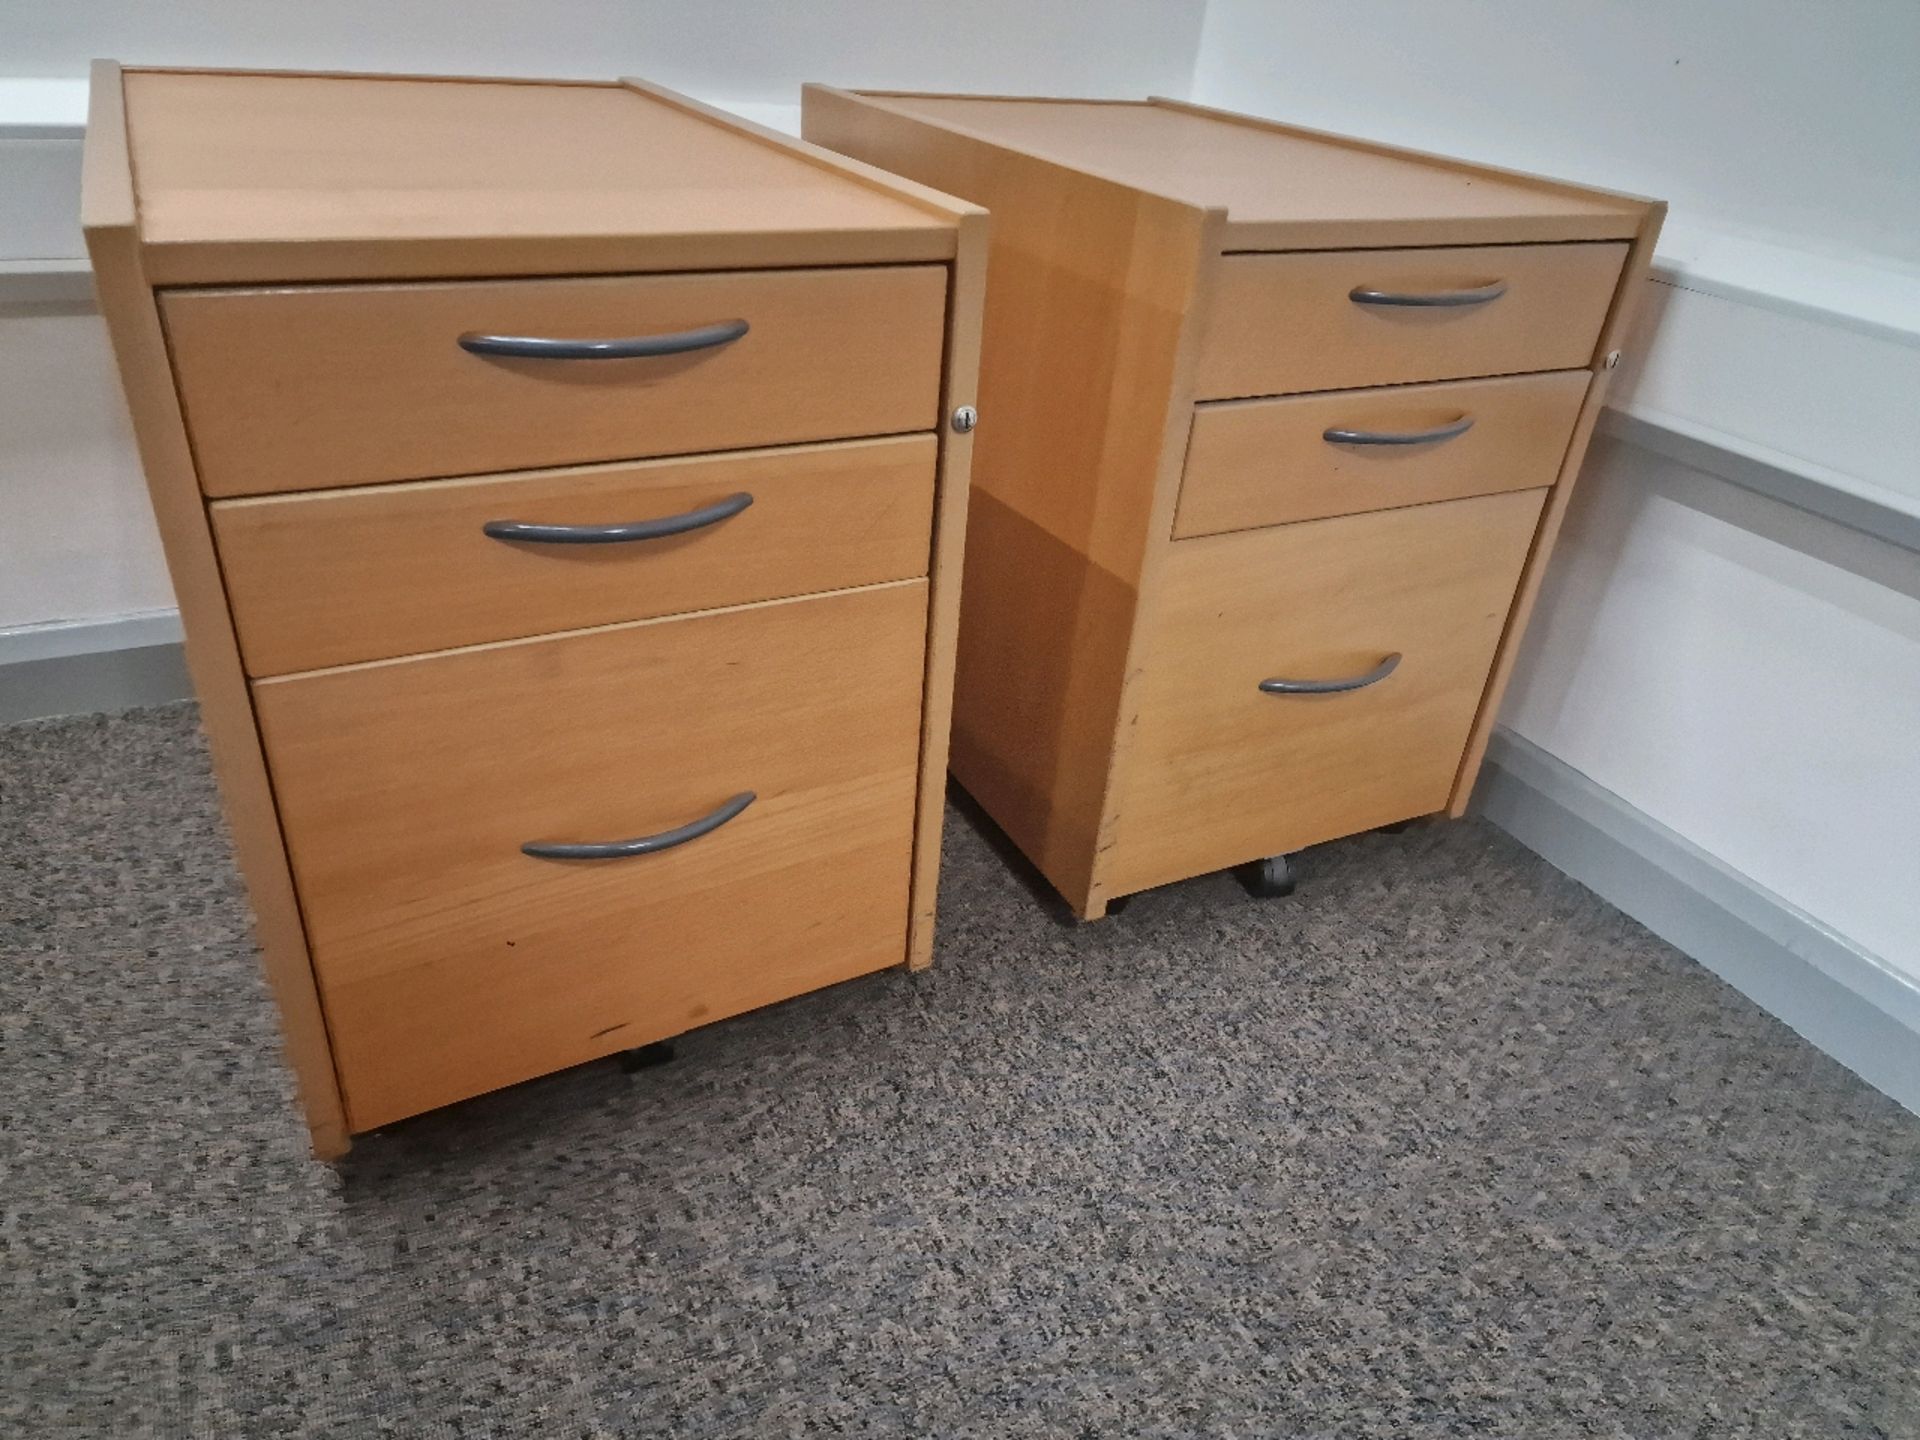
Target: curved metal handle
1333, 687
643, 845
633, 347
1365, 295
1453, 430
619, 534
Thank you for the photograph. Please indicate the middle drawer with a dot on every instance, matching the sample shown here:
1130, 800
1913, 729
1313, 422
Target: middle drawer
1303, 457
336, 576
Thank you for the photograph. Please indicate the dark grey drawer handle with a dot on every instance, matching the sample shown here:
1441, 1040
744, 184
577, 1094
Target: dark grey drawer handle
633, 347
1451, 431
1333, 687
619, 534
645, 844
1364, 295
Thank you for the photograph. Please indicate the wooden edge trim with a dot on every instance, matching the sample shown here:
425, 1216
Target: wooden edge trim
1429, 157
1234, 117
1633, 279
424, 260
213, 653
519, 641
272, 73
966, 299
506, 479
876, 100
1305, 237
960, 95
106, 166
1176, 430
924, 197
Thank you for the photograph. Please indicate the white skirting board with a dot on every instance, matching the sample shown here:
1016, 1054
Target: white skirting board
1844, 1000
93, 666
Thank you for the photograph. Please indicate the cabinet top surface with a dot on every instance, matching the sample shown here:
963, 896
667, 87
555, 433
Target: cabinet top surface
1280, 183
473, 174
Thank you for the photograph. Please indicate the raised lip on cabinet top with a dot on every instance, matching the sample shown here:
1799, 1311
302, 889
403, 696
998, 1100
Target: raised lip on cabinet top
254, 176
1273, 179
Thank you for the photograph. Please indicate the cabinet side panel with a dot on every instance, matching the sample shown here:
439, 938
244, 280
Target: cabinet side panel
1633, 280
213, 656
1093, 285
966, 295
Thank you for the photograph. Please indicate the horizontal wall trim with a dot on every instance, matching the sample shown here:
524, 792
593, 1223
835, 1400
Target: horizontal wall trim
59, 639
99, 682
42, 109
1875, 297
82, 667
1839, 996
1788, 478
39, 285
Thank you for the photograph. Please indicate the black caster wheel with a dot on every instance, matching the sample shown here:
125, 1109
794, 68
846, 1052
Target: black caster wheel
1396, 828
647, 1057
1268, 879
1118, 905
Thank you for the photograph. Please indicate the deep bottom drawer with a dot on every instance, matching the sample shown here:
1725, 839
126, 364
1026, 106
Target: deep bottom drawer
451, 963
1222, 771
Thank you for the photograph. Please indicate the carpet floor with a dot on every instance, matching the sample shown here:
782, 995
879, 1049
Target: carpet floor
1443, 1145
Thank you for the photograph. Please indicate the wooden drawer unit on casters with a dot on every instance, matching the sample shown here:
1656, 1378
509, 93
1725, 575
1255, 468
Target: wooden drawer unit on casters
1283, 428
564, 486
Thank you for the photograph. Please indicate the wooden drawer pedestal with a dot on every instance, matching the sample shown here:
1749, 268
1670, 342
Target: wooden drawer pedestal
557, 485
1268, 405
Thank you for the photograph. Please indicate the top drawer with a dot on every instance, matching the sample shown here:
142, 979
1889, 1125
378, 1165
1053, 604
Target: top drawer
1335, 319
309, 388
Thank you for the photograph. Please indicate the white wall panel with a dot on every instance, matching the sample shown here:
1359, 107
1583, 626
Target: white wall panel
1795, 120
77, 539
1746, 674
739, 50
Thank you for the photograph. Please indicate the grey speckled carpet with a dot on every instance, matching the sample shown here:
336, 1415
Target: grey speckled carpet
1443, 1146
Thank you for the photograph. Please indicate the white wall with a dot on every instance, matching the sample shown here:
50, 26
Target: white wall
1749, 676
77, 539
1740, 670
1793, 120
757, 50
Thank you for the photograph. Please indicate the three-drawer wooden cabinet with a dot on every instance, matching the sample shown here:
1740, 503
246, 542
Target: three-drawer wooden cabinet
562, 492
1283, 428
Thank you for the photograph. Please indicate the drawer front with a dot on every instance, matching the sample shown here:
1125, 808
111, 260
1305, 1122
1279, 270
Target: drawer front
1222, 772
303, 389
1280, 324
451, 963
332, 577
1303, 457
